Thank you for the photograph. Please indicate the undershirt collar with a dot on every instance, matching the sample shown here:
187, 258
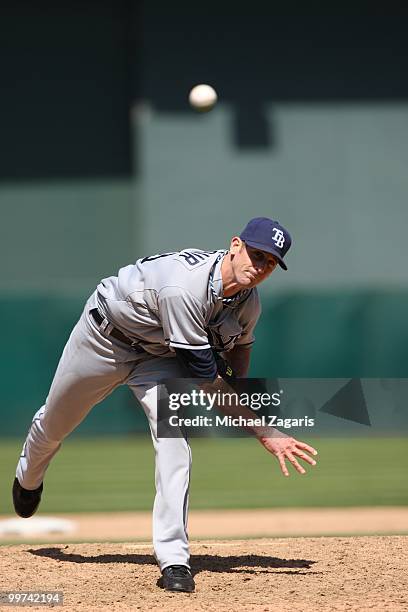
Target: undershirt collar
216, 288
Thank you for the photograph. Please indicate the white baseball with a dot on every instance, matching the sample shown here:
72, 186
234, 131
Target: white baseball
203, 97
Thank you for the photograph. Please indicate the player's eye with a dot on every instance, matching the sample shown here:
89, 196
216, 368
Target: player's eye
260, 257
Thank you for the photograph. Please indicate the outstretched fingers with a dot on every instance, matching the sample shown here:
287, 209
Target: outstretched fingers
306, 447
295, 463
282, 464
290, 452
303, 456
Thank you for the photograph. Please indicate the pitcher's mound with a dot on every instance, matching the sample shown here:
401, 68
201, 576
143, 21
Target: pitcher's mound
307, 574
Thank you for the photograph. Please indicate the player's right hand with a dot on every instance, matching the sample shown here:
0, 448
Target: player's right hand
286, 448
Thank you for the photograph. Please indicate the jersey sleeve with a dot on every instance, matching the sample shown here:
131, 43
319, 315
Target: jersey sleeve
182, 317
248, 319
200, 363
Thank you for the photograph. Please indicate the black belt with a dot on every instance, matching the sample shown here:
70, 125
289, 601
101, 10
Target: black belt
116, 333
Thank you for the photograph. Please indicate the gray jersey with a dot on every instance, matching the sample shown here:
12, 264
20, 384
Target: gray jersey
174, 300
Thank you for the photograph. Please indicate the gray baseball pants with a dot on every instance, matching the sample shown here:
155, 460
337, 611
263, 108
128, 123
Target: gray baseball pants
92, 365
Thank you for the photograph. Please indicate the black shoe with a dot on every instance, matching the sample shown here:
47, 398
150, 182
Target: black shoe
177, 578
26, 502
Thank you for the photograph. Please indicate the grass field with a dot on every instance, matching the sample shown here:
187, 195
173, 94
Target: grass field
113, 474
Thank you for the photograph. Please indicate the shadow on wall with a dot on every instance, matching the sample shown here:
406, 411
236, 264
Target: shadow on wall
71, 73
275, 53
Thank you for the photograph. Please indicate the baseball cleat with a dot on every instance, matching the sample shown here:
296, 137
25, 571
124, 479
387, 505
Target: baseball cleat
26, 502
177, 578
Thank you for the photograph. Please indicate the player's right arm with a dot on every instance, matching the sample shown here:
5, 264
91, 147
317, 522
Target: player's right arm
183, 323
283, 447
238, 359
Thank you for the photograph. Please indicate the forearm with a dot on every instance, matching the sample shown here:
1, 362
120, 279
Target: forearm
229, 404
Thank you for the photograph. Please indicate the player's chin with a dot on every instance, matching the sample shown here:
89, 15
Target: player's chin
250, 280
257, 280
246, 280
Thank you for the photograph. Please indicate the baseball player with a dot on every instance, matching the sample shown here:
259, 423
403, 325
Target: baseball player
166, 316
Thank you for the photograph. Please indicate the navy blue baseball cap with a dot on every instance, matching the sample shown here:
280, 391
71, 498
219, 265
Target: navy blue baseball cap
268, 235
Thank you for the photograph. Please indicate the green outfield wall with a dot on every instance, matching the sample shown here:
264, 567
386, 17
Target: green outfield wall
334, 335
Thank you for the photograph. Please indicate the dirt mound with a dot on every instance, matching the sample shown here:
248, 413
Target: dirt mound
307, 574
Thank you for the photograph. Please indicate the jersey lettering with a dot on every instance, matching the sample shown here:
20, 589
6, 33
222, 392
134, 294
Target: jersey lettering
194, 258
154, 257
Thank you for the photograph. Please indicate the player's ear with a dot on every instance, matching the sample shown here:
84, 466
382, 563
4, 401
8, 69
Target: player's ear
235, 245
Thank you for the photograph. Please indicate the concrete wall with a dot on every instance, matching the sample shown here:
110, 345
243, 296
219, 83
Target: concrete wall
102, 161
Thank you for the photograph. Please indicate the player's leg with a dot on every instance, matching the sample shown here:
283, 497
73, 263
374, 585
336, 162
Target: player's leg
89, 369
172, 468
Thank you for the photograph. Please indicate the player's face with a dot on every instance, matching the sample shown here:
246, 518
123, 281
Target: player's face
251, 266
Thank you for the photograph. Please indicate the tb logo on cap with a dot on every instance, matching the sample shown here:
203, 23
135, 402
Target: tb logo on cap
278, 237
